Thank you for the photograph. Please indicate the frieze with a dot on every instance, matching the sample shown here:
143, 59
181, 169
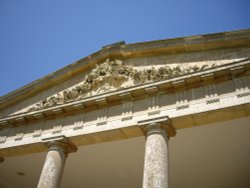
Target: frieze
182, 107
212, 101
112, 75
243, 94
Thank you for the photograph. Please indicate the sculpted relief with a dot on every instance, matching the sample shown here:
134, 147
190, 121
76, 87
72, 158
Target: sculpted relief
113, 75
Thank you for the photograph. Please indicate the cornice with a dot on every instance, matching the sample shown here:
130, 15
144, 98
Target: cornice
234, 39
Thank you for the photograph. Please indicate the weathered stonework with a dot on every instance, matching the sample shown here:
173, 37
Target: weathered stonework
189, 83
52, 172
156, 157
113, 75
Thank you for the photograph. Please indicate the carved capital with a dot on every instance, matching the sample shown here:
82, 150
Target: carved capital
60, 143
158, 126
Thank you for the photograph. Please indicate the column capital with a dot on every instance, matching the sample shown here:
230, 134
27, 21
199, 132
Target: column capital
153, 128
158, 125
60, 142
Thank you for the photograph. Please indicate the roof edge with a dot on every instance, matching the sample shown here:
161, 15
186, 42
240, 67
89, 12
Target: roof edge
193, 43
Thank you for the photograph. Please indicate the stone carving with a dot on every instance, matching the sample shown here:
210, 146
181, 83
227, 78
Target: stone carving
112, 75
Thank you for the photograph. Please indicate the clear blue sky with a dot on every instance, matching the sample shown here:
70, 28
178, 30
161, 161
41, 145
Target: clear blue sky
39, 37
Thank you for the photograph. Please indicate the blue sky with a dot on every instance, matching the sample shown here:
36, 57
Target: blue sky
42, 36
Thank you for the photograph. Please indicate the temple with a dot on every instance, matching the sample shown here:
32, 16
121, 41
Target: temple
168, 113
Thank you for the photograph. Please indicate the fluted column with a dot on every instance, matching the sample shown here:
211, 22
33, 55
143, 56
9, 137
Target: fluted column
156, 156
52, 172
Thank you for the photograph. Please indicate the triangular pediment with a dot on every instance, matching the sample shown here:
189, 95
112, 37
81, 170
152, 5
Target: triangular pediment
123, 66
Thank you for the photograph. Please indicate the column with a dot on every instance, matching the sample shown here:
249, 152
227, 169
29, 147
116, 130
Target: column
52, 172
156, 156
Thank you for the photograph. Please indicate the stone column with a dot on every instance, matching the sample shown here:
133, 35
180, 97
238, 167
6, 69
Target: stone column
156, 156
52, 172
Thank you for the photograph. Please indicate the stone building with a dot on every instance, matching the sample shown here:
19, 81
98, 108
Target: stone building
169, 113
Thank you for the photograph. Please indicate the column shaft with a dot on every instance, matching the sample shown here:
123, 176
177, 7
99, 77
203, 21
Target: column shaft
156, 158
52, 171
53, 168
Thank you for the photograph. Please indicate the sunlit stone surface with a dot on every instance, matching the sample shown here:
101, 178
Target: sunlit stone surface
156, 158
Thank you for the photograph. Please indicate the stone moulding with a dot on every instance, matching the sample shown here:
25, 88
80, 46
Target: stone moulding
113, 75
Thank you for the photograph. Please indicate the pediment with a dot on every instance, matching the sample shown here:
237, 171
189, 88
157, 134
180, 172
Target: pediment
113, 75
129, 65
